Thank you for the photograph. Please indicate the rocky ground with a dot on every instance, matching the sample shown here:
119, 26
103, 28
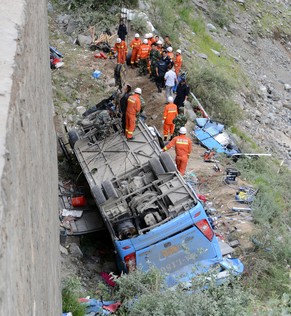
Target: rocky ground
268, 119
267, 62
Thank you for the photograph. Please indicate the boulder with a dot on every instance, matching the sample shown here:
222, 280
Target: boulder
211, 27
83, 40
235, 30
75, 251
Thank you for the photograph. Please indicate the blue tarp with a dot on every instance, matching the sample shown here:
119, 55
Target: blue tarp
212, 136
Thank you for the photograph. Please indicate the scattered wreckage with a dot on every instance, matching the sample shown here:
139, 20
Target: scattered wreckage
153, 216
55, 58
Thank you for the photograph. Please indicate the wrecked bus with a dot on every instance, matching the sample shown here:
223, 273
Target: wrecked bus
154, 217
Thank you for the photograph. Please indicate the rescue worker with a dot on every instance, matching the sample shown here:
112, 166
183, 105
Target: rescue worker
122, 30
161, 69
160, 46
135, 45
182, 93
157, 38
167, 42
143, 56
178, 61
132, 110
179, 121
170, 53
170, 81
183, 147
170, 112
151, 39
121, 49
155, 55
123, 105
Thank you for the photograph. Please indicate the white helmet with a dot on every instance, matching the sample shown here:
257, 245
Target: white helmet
136, 35
159, 42
137, 90
182, 130
150, 35
118, 40
178, 51
170, 99
145, 41
146, 35
169, 49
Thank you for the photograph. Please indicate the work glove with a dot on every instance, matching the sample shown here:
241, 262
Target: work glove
163, 121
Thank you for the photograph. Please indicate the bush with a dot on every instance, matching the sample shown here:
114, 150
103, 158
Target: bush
145, 294
139, 24
70, 296
220, 13
215, 90
269, 271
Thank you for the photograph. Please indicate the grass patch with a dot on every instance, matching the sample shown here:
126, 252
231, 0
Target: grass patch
215, 89
272, 213
70, 294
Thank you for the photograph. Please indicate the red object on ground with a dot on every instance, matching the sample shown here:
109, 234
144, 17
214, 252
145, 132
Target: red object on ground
98, 55
56, 60
112, 307
201, 197
107, 278
79, 201
103, 55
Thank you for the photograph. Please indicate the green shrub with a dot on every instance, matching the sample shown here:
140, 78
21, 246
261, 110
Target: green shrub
145, 294
215, 90
220, 12
269, 265
139, 24
70, 294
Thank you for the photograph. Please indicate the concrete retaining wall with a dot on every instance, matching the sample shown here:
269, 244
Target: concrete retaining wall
29, 239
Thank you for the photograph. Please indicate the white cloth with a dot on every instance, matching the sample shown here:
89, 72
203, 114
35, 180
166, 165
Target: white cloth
170, 78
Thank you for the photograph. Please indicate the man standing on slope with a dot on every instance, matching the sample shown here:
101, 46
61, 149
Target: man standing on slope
170, 112
135, 45
122, 30
121, 49
132, 110
143, 56
183, 147
170, 81
178, 62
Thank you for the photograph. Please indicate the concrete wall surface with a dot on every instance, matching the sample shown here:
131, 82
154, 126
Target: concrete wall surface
29, 236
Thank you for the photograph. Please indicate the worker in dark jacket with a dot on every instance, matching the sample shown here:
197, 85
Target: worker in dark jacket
122, 30
123, 105
182, 91
161, 69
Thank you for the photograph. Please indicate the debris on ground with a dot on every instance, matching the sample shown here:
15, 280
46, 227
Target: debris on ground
99, 307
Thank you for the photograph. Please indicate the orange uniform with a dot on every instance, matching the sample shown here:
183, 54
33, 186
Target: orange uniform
144, 51
151, 40
178, 64
133, 108
183, 147
135, 45
170, 112
121, 50
171, 55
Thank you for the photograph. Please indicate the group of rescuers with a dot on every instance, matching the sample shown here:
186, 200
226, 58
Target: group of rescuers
157, 58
